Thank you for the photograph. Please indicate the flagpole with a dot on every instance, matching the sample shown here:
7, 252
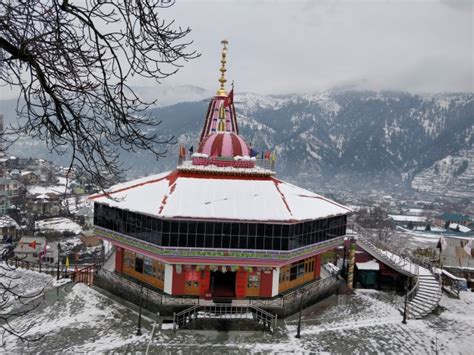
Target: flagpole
57, 276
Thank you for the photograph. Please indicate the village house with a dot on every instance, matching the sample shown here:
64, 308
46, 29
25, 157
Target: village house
36, 250
448, 218
4, 202
10, 186
8, 229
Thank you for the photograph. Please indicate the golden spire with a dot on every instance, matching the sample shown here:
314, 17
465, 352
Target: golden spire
222, 79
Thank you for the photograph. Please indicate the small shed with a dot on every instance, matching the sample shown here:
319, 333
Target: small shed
367, 273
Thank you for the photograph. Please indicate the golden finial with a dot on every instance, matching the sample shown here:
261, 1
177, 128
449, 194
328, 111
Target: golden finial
222, 79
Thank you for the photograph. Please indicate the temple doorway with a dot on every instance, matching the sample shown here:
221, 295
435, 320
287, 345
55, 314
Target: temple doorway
223, 285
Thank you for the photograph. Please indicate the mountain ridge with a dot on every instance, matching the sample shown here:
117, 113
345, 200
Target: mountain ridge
372, 137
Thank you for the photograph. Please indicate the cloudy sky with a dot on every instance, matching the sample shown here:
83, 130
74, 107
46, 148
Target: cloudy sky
278, 47
295, 46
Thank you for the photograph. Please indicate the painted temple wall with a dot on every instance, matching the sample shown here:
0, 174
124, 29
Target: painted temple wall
184, 280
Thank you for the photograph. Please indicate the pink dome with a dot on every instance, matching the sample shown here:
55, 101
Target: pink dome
223, 144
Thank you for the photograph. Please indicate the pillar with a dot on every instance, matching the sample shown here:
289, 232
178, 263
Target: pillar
241, 283
204, 282
177, 286
276, 281
350, 271
317, 266
266, 280
118, 259
168, 279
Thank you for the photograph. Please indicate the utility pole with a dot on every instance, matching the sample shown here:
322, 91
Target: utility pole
139, 330
298, 332
405, 310
57, 276
350, 269
344, 259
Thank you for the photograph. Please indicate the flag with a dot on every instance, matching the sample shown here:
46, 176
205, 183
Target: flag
191, 150
442, 243
67, 262
253, 153
267, 154
468, 247
32, 244
273, 157
182, 151
229, 99
42, 253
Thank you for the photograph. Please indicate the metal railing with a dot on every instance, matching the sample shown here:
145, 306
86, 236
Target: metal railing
220, 252
267, 164
225, 311
402, 265
146, 292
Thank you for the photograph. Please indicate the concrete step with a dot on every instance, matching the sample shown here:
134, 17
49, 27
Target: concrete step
420, 304
426, 298
412, 314
428, 282
428, 288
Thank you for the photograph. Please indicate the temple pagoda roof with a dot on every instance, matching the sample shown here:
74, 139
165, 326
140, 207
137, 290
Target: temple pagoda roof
182, 195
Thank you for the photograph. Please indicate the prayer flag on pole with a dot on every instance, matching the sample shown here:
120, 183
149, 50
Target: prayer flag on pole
442, 243
468, 247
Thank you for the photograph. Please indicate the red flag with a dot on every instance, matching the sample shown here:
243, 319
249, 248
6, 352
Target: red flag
182, 151
32, 244
229, 99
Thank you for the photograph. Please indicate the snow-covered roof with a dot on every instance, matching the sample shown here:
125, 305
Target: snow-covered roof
368, 265
59, 224
462, 228
42, 190
7, 221
405, 218
179, 195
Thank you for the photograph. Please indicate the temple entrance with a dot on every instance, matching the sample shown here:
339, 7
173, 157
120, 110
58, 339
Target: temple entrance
223, 285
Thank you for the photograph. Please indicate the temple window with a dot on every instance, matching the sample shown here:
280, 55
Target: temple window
253, 281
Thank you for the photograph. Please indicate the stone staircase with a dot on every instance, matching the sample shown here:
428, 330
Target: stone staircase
401, 265
426, 296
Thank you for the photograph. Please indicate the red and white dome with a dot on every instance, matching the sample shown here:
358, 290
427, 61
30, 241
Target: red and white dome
223, 144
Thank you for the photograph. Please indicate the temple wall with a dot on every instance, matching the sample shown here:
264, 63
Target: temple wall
187, 280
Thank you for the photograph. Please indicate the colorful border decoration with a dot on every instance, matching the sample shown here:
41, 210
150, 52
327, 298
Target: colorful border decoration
240, 254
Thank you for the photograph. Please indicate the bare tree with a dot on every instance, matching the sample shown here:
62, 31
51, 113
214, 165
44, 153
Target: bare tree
14, 303
73, 60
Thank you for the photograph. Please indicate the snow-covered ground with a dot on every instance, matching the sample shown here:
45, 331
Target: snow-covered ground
82, 320
23, 282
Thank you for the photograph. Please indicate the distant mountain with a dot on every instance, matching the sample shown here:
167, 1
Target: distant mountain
344, 137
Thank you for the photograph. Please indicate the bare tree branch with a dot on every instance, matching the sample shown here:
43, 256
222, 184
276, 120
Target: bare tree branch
73, 62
